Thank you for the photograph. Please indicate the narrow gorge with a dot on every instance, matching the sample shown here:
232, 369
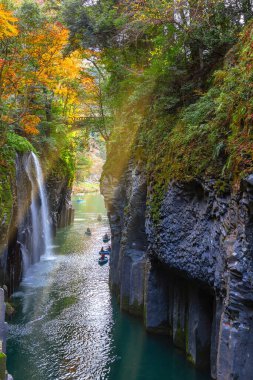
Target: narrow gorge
150, 102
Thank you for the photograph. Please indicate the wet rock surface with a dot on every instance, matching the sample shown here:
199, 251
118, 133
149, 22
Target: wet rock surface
59, 191
3, 335
16, 237
191, 274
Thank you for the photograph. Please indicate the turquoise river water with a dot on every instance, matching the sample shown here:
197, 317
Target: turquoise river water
67, 326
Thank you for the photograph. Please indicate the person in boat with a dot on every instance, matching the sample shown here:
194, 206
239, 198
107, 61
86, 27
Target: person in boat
106, 237
102, 250
109, 248
102, 256
88, 231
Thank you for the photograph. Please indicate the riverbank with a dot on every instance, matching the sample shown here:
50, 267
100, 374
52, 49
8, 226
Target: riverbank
85, 188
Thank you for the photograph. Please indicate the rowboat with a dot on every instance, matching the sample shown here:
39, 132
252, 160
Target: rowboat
103, 261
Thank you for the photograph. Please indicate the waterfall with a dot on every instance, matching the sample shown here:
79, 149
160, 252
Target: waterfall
25, 258
41, 240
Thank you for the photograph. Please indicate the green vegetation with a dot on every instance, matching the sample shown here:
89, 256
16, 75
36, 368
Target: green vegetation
18, 143
164, 83
89, 165
2, 366
45, 90
9, 309
6, 199
90, 187
12, 145
178, 86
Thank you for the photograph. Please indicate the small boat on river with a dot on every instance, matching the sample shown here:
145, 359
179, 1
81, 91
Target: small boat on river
105, 252
106, 238
103, 260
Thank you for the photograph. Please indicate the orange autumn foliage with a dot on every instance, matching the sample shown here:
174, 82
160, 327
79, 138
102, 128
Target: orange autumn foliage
35, 72
29, 124
8, 22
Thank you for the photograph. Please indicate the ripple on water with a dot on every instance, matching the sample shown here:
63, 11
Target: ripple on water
62, 329
66, 326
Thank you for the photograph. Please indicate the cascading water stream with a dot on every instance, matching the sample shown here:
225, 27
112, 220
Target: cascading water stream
41, 240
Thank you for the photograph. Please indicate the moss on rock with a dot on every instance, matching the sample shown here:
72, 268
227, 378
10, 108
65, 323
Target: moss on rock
10, 310
2, 366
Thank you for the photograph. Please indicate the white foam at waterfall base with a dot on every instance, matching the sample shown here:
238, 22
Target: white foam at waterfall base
41, 232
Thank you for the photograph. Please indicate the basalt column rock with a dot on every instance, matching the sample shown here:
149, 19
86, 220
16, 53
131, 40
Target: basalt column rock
126, 204
115, 200
235, 346
199, 326
207, 239
62, 212
20, 230
181, 309
190, 273
158, 302
3, 335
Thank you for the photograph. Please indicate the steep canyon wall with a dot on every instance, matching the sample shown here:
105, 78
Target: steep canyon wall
190, 274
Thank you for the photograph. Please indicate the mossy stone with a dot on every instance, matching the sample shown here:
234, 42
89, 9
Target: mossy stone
2, 366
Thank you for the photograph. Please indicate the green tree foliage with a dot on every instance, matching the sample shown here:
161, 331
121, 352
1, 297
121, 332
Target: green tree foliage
178, 85
166, 82
42, 87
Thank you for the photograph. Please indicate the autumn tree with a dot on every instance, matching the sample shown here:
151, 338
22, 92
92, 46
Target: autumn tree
40, 84
8, 22
8, 30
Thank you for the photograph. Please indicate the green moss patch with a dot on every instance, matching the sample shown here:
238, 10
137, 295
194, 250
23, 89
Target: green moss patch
18, 143
2, 366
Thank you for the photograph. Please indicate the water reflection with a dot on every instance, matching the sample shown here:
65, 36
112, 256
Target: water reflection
68, 327
64, 319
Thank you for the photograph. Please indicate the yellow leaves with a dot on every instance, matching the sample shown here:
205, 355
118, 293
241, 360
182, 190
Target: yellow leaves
31, 130
160, 12
219, 76
6, 119
48, 42
35, 69
89, 53
70, 66
37, 61
150, 11
29, 124
89, 85
45, 49
7, 24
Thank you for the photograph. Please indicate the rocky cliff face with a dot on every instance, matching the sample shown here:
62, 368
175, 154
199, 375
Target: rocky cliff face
190, 275
3, 334
16, 231
60, 205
